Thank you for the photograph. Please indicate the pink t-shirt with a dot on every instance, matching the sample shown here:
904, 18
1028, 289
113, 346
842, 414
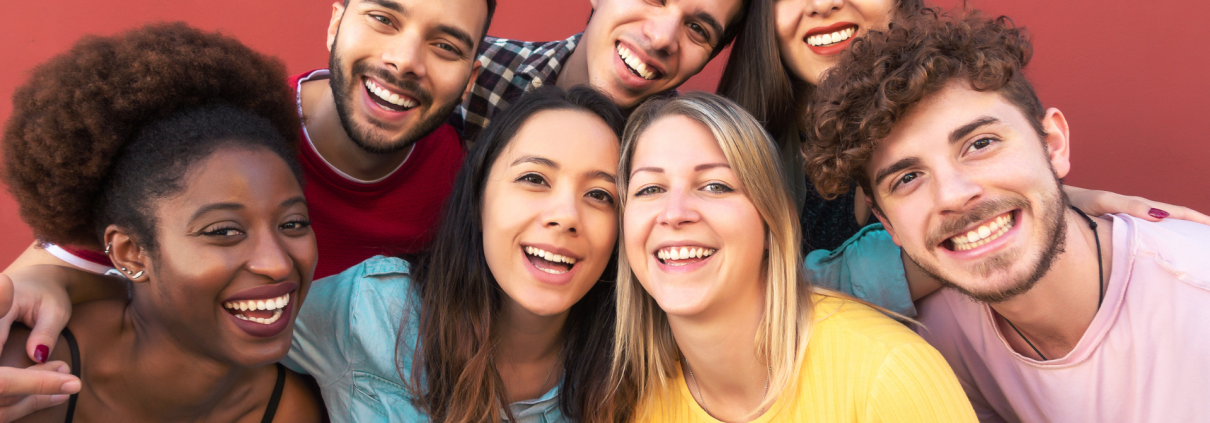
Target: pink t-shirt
1144, 358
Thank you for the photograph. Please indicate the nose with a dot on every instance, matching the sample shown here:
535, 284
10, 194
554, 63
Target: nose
661, 30
955, 191
678, 210
270, 259
824, 8
405, 54
563, 212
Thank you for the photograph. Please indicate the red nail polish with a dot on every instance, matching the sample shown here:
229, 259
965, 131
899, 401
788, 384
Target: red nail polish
40, 353
1157, 213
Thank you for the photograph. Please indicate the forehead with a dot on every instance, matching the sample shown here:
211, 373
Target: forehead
676, 141
570, 137
243, 175
926, 128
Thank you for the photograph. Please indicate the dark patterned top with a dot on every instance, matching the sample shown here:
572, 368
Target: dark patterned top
510, 68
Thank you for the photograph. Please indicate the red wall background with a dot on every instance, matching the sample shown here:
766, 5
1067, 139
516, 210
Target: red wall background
1131, 77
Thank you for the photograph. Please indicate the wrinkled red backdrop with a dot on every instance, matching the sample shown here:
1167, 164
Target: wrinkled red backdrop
1131, 77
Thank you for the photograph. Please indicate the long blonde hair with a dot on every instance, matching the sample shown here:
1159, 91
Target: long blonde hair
643, 342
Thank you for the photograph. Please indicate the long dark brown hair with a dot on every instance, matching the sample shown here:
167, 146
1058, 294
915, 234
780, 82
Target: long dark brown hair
453, 377
757, 80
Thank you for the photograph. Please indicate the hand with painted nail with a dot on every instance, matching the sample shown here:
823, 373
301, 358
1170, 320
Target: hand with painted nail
1096, 203
41, 305
24, 391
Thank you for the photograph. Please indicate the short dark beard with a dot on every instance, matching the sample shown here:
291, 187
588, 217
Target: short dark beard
344, 89
1055, 222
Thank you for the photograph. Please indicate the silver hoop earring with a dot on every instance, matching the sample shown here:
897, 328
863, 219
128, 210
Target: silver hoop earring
107, 247
136, 275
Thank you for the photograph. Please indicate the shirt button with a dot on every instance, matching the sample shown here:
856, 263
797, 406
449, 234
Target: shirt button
537, 83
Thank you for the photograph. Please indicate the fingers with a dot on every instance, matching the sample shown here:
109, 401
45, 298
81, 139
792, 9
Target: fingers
43, 379
1098, 203
28, 405
1157, 211
45, 333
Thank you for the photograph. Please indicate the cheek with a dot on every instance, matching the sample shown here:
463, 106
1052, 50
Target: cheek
788, 14
637, 225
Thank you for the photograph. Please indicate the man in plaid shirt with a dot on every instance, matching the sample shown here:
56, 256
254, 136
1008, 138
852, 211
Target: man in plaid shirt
630, 50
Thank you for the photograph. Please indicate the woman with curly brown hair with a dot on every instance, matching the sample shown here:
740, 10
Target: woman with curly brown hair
170, 149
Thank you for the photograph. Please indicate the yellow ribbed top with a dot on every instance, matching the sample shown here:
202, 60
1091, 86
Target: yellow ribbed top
861, 366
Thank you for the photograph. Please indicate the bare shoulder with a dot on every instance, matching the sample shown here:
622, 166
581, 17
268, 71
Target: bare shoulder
300, 400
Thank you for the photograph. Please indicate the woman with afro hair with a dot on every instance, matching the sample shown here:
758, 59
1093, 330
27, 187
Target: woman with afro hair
172, 150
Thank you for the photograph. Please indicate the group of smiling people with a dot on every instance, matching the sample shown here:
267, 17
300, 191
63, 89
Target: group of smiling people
601, 248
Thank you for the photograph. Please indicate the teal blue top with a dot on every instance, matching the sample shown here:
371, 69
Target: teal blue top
345, 337
348, 329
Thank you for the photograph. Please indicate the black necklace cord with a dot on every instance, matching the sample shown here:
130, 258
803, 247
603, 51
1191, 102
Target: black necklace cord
1100, 280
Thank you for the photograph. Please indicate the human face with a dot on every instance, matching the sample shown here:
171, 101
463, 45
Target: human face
237, 234
399, 67
812, 33
967, 188
549, 219
638, 48
693, 237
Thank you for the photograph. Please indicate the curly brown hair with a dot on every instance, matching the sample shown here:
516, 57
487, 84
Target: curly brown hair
883, 75
79, 113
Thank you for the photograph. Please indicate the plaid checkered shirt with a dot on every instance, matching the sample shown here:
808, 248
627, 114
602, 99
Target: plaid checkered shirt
510, 68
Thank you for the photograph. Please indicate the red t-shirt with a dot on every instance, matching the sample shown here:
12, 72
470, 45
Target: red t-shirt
355, 220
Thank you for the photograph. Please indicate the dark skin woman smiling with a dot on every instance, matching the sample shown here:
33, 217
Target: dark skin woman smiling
168, 147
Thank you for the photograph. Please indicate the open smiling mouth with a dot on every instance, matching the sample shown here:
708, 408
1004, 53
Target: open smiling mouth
636, 65
264, 311
387, 99
549, 262
683, 256
831, 38
987, 232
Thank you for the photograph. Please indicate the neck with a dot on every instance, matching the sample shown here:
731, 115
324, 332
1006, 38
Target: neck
157, 376
719, 348
334, 144
1056, 312
528, 351
575, 70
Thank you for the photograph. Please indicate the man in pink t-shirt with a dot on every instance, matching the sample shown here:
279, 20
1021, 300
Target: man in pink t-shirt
1048, 315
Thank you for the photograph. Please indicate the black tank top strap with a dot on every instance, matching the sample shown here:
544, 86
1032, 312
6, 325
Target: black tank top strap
75, 370
278, 387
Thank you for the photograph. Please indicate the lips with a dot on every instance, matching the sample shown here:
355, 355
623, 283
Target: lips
546, 261
984, 233
635, 64
388, 99
263, 311
830, 39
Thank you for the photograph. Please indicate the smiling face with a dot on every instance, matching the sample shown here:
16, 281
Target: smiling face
237, 237
693, 237
549, 216
638, 48
399, 67
812, 33
967, 188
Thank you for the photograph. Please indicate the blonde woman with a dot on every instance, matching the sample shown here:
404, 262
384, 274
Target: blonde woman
715, 320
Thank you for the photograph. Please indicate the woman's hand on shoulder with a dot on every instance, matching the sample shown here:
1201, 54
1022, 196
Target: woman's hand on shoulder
1097, 203
44, 307
24, 391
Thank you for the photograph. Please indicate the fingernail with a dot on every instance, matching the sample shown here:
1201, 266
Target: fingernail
58, 399
40, 353
1157, 213
72, 386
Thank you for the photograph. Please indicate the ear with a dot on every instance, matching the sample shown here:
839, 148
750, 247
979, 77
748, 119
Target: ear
471, 83
886, 223
127, 256
1058, 141
338, 12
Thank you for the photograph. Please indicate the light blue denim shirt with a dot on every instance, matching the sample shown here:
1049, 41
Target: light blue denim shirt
867, 266
346, 337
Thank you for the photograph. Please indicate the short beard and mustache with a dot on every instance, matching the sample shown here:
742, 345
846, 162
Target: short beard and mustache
344, 89
1054, 231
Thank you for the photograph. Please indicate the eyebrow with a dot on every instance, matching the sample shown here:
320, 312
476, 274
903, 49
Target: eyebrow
458, 33
390, 5
647, 169
965, 130
715, 27
298, 199
599, 174
897, 166
708, 166
541, 161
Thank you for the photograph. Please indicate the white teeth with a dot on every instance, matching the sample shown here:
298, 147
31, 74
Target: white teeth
634, 63
549, 256
276, 315
388, 96
832, 38
983, 234
683, 253
277, 303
